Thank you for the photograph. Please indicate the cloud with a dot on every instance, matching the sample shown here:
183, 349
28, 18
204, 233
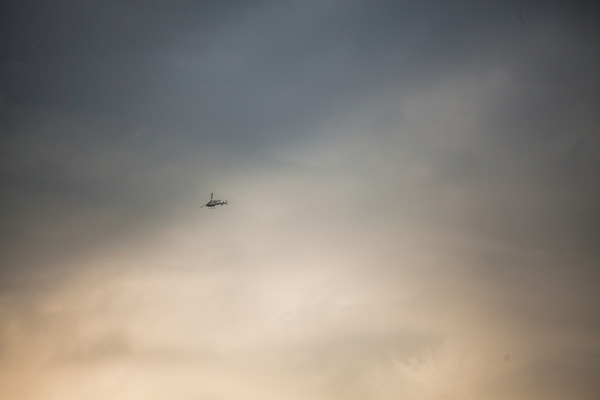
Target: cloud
412, 200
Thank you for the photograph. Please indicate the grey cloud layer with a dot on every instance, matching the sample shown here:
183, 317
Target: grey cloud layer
413, 195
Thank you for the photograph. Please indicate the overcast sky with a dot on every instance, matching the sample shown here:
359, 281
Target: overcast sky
413, 188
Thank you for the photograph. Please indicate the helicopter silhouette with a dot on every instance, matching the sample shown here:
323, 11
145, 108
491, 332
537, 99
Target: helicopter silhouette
214, 202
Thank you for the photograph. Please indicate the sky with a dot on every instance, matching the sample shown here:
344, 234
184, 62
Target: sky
413, 200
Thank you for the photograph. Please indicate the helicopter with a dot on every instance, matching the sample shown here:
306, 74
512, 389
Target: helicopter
212, 203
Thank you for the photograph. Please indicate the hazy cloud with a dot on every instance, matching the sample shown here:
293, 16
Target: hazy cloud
413, 200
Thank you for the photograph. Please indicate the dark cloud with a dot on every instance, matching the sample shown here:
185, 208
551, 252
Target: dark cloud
433, 166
